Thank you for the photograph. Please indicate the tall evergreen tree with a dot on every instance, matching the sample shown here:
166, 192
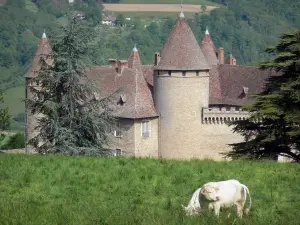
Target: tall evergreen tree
273, 128
72, 118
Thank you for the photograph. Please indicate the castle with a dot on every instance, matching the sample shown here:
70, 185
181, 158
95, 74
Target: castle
176, 108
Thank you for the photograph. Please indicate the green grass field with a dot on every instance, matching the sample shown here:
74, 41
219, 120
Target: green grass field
197, 2
31, 6
89, 190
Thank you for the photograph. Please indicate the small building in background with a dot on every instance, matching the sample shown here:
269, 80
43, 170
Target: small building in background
109, 20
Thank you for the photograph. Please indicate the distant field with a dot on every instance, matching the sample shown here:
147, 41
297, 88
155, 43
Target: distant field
153, 8
156, 15
46, 190
198, 2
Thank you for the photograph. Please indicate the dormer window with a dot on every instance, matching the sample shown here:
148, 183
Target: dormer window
122, 100
244, 93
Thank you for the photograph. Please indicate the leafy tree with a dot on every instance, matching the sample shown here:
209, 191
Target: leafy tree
74, 121
4, 119
273, 128
4, 115
15, 141
120, 20
203, 8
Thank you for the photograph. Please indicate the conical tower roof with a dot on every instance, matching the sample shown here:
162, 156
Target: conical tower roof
209, 50
134, 61
43, 50
181, 51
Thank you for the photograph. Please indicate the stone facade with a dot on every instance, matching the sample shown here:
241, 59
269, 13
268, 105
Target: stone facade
131, 139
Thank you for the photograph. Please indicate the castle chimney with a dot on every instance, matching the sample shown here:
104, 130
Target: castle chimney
121, 65
112, 63
221, 56
156, 58
230, 60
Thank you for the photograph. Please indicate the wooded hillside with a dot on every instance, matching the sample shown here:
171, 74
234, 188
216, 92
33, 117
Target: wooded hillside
244, 28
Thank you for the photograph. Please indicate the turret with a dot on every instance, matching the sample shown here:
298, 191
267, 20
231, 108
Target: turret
209, 50
43, 51
134, 61
181, 89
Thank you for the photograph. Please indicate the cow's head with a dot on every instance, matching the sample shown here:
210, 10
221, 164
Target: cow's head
210, 192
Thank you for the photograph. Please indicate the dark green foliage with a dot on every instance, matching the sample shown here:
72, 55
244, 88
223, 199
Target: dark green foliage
74, 121
91, 9
15, 141
48, 190
120, 20
244, 28
4, 115
274, 127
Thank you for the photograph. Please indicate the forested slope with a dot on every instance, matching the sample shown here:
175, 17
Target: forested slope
244, 28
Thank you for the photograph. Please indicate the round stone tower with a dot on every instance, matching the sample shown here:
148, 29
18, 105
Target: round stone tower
181, 90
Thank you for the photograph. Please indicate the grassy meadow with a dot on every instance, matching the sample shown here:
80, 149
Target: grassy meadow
88, 190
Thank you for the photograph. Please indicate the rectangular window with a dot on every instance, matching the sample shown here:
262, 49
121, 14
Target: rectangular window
117, 152
118, 132
146, 128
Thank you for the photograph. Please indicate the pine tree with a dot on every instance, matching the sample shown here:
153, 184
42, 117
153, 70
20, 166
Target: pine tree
72, 118
273, 128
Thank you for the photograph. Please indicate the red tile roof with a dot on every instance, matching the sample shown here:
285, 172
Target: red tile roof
148, 74
234, 80
181, 51
131, 95
209, 50
43, 50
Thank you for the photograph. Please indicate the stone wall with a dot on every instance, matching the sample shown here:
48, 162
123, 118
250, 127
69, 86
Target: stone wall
125, 141
179, 98
146, 146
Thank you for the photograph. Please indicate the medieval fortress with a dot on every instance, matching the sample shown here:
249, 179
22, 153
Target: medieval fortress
176, 108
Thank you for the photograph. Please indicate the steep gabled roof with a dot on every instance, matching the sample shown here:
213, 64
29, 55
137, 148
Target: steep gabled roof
181, 51
209, 50
43, 51
132, 97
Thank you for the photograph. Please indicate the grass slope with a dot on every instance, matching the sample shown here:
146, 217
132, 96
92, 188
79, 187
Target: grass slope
14, 100
85, 190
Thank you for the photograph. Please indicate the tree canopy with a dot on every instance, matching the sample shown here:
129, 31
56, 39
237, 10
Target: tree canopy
273, 128
4, 115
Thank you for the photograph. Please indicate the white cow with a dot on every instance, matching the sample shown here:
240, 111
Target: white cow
220, 194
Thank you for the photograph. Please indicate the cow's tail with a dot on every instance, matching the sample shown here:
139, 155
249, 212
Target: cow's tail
246, 191
194, 205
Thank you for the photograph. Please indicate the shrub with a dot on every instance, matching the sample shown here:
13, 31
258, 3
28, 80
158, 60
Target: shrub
15, 141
